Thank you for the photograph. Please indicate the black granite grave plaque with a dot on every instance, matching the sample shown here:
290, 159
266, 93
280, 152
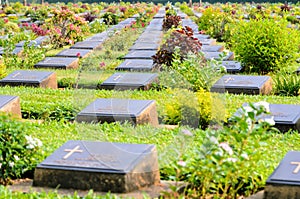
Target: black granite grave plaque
286, 116
11, 105
83, 53
201, 36
43, 79
129, 81
284, 182
112, 110
90, 45
212, 48
232, 66
101, 166
58, 63
39, 41
136, 65
208, 41
219, 55
140, 54
246, 84
145, 46
16, 51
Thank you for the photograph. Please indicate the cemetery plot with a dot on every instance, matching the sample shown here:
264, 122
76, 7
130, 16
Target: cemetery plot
246, 84
90, 45
145, 46
147, 39
39, 41
136, 65
213, 48
58, 63
33, 78
201, 36
112, 110
219, 55
208, 42
82, 53
140, 54
284, 182
11, 105
232, 66
129, 81
286, 116
101, 166
16, 51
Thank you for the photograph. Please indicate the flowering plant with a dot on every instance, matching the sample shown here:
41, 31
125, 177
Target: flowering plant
227, 159
18, 151
65, 28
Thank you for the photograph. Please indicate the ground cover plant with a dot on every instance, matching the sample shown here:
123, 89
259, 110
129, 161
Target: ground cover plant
219, 155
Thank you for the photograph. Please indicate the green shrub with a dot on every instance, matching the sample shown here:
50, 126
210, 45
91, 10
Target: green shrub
110, 18
265, 45
195, 70
19, 153
286, 84
214, 22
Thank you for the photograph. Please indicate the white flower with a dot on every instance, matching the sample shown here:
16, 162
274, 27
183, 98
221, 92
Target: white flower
249, 123
248, 109
231, 160
270, 120
213, 139
33, 142
181, 163
11, 164
0, 165
187, 132
263, 104
16, 157
245, 156
226, 147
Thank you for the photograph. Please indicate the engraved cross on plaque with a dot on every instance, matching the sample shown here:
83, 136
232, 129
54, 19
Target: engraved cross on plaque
71, 151
228, 79
117, 77
15, 75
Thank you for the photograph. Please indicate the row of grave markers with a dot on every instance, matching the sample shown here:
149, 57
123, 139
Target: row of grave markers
128, 167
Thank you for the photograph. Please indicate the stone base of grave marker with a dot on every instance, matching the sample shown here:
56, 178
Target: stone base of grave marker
101, 166
129, 81
10, 104
284, 182
246, 84
58, 63
121, 110
281, 192
32, 78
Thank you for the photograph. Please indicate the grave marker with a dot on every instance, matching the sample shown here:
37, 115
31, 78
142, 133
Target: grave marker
219, 55
232, 66
83, 53
140, 54
101, 166
10, 104
112, 110
129, 81
43, 79
90, 45
213, 48
58, 63
246, 84
136, 65
284, 182
145, 46
286, 116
